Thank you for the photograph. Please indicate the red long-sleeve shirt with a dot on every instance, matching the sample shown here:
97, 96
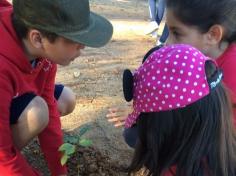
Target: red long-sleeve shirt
227, 62
17, 77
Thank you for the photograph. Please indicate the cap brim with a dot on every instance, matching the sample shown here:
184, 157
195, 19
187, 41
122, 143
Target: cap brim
96, 35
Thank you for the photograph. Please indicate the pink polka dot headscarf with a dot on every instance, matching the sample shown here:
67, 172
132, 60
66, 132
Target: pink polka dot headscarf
170, 78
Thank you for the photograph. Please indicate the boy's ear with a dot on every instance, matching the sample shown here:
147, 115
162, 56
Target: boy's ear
215, 34
35, 38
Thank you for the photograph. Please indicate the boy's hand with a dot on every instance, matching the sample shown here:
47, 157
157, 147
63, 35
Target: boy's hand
117, 115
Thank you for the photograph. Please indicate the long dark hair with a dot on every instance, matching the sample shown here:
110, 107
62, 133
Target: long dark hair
197, 140
205, 13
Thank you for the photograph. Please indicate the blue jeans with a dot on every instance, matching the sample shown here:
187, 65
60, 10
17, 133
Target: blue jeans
130, 136
156, 9
156, 14
152, 9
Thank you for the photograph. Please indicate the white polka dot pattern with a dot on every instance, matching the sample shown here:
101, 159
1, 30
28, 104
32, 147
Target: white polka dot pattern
171, 77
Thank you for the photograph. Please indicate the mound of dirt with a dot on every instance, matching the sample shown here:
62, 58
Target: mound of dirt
87, 161
90, 162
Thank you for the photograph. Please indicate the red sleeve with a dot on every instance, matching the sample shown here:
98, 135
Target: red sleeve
51, 138
12, 163
228, 68
229, 80
4, 3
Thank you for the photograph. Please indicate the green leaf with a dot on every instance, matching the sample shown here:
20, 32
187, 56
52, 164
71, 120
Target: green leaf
83, 130
85, 142
67, 148
64, 159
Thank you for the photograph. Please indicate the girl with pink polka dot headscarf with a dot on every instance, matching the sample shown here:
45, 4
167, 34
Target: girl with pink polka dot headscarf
181, 115
170, 78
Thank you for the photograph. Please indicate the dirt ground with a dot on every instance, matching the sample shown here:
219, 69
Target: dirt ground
96, 78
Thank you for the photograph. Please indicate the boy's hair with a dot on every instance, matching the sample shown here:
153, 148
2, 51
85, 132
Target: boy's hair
22, 30
198, 139
205, 13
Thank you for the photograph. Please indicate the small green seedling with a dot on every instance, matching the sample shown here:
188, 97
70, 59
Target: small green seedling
72, 142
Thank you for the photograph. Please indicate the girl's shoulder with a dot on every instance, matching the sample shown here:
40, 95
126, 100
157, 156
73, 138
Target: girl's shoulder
228, 57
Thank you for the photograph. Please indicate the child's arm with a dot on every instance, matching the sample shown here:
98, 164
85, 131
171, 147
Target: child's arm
117, 115
12, 163
228, 68
51, 138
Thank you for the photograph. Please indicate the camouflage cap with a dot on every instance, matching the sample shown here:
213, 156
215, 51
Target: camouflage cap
71, 19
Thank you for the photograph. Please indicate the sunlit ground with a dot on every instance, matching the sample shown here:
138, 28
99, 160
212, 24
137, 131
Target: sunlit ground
124, 28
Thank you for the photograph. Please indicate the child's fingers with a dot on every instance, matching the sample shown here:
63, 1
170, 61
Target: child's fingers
117, 119
119, 124
110, 115
118, 109
116, 114
112, 110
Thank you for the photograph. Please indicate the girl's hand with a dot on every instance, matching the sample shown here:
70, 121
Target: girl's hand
117, 115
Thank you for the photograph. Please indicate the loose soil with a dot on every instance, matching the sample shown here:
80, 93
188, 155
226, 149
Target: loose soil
96, 77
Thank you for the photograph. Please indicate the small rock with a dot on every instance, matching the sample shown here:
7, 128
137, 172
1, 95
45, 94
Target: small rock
76, 74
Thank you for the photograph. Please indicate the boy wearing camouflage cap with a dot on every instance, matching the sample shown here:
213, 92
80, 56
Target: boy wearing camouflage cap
35, 36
